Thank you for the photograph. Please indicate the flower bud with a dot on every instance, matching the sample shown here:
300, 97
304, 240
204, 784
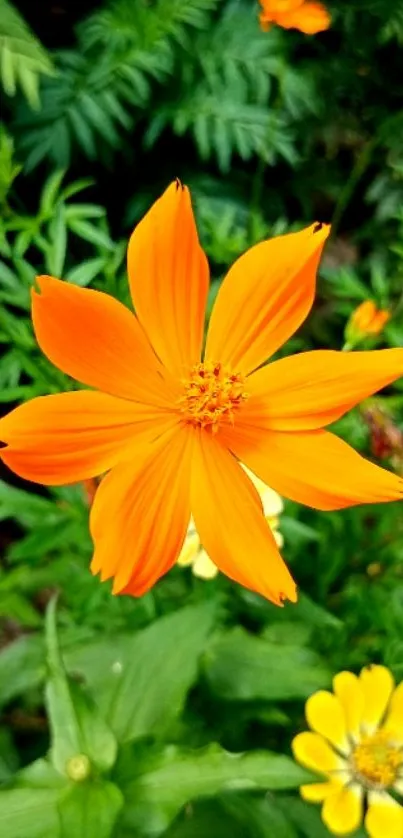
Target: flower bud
78, 768
366, 321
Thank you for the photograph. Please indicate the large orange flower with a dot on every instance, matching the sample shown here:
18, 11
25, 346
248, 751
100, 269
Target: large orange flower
309, 17
172, 429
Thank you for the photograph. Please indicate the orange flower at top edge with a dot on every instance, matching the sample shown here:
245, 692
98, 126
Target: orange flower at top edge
308, 17
171, 425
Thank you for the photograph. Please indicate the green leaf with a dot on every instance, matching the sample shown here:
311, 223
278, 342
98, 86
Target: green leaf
77, 729
89, 810
22, 667
87, 231
305, 817
169, 779
260, 817
50, 196
22, 57
140, 682
84, 273
240, 666
56, 252
29, 813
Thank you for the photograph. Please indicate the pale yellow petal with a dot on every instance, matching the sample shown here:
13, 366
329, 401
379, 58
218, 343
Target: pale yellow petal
394, 717
278, 537
189, 550
347, 688
203, 566
384, 818
342, 810
324, 713
377, 684
312, 751
272, 502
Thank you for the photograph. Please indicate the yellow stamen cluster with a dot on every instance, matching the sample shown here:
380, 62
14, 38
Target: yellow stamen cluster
376, 760
212, 395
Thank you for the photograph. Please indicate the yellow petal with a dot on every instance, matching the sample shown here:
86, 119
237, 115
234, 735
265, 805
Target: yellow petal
273, 504
324, 713
312, 751
316, 792
189, 550
348, 690
394, 718
377, 685
384, 818
203, 567
342, 810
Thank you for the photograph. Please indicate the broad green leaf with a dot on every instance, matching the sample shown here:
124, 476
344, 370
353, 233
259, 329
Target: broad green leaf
29, 813
8, 755
77, 729
16, 607
240, 666
306, 818
89, 810
141, 682
28, 508
204, 818
170, 779
22, 667
260, 817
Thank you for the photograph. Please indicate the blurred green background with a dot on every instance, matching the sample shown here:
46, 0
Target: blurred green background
184, 703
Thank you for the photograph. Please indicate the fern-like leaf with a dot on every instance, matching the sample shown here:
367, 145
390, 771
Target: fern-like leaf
23, 59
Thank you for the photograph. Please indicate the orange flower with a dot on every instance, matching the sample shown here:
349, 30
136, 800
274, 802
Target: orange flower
172, 429
367, 320
308, 17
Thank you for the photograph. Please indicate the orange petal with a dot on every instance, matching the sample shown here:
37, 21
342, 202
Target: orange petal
71, 436
312, 389
265, 296
229, 519
312, 467
169, 279
309, 18
141, 513
95, 339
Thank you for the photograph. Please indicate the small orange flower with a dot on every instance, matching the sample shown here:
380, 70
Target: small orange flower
366, 321
172, 425
308, 17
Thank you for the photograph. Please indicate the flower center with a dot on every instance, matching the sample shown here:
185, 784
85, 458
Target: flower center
376, 761
212, 395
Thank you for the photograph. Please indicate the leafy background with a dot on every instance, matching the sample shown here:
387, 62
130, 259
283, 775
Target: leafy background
184, 702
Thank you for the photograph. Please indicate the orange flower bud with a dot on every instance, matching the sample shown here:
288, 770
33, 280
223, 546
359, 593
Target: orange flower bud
367, 320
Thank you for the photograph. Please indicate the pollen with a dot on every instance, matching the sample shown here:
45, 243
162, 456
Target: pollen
376, 760
212, 396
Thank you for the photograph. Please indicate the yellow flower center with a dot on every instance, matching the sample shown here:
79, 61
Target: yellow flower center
212, 395
376, 761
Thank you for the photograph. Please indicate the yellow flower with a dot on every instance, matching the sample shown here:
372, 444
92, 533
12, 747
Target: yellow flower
366, 321
356, 744
193, 553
